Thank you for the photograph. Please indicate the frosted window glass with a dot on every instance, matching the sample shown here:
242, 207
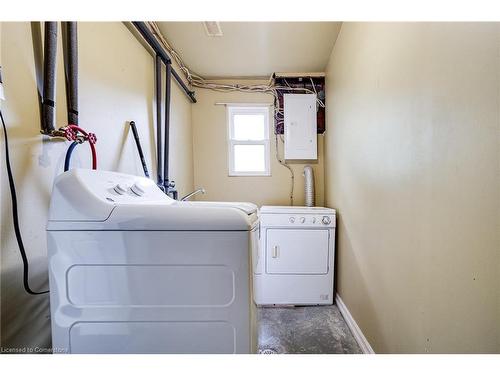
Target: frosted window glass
249, 127
249, 158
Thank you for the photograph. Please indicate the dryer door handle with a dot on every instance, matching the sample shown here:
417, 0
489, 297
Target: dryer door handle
276, 251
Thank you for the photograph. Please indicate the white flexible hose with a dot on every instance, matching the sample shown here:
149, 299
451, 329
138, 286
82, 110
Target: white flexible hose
309, 185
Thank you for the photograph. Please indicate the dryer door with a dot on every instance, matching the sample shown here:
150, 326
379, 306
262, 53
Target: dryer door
292, 251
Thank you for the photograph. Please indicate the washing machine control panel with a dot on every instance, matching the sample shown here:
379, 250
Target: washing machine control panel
114, 187
90, 195
127, 190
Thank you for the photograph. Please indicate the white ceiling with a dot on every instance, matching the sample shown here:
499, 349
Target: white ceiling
253, 49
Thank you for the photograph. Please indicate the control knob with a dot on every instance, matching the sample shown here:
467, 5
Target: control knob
138, 188
292, 219
326, 220
120, 189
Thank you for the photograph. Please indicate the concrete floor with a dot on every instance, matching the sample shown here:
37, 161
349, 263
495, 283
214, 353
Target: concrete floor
304, 330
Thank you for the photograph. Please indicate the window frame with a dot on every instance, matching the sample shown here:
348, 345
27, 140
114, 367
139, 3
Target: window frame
257, 109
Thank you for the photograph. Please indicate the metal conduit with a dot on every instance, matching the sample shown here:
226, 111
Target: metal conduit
168, 79
159, 50
159, 154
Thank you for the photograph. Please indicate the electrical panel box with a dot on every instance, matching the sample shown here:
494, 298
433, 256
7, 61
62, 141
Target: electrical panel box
300, 126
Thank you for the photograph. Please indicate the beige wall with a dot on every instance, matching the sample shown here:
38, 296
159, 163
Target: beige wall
210, 157
116, 85
412, 156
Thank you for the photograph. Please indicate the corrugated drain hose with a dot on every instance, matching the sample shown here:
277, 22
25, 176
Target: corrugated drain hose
15, 218
309, 185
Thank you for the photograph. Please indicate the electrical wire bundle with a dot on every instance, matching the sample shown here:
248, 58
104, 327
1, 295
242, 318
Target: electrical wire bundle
270, 88
198, 81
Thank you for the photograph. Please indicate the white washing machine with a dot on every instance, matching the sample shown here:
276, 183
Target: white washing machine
294, 264
133, 271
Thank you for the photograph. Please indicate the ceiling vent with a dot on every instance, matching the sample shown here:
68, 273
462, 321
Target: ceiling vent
212, 28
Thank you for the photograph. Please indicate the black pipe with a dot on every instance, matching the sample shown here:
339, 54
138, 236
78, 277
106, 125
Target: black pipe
159, 155
139, 148
152, 41
71, 69
49, 77
166, 144
184, 87
159, 50
168, 183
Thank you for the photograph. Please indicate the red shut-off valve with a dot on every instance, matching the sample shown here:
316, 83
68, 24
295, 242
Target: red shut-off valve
92, 138
71, 133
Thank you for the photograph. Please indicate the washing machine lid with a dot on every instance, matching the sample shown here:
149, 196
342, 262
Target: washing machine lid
246, 207
296, 210
84, 199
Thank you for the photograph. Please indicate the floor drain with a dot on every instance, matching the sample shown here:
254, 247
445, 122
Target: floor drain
268, 351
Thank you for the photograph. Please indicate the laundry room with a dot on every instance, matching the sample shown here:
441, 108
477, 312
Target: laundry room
307, 186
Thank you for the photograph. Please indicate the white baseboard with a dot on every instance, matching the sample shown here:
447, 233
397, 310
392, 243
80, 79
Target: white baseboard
353, 326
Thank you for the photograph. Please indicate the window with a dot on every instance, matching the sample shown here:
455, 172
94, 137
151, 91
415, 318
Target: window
248, 129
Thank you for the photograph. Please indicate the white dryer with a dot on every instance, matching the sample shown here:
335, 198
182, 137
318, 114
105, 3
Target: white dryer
133, 271
294, 264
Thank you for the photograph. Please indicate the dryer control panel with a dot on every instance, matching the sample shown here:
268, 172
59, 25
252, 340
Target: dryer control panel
299, 220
